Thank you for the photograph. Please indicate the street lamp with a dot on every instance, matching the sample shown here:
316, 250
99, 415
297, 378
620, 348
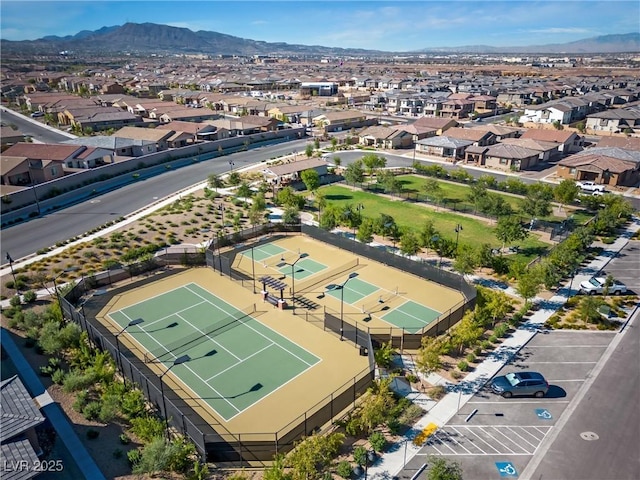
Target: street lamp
137, 321
293, 276
231, 164
221, 210
458, 229
13, 274
341, 288
33, 186
177, 361
359, 208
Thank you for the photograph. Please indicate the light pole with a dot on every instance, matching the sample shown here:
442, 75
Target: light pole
13, 274
221, 210
341, 288
359, 208
458, 229
33, 186
231, 164
177, 361
293, 276
137, 321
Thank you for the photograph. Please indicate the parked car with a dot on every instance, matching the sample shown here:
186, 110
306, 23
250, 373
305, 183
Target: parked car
591, 186
37, 114
520, 383
595, 286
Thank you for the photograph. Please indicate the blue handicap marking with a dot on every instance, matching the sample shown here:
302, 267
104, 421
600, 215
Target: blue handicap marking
506, 469
543, 414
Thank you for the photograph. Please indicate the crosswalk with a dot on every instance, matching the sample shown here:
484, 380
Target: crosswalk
485, 440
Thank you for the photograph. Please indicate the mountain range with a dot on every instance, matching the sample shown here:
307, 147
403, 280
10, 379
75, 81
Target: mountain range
154, 38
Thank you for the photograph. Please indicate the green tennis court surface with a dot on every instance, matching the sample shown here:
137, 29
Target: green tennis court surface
411, 316
354, 291
303, 268
234, 360
263, 252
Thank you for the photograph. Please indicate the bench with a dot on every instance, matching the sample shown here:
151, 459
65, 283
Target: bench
272, 300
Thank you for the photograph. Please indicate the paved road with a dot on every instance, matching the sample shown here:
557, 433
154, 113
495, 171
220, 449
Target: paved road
608, 417
26, 238
33, 128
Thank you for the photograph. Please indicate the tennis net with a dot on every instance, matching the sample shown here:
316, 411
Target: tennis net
324, 276
183, 345
381, 303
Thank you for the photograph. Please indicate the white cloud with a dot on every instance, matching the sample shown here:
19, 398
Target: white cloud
553, 30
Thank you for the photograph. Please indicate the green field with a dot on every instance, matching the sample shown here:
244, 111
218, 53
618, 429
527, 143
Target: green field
413, 216
458, 193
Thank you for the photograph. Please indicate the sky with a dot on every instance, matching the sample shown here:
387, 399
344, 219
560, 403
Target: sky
375, 25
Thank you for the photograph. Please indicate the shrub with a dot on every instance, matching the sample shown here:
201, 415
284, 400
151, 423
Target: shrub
91, 410
76, 380
133, 404
493, 339
456, 374
501, 330
57, 377
377, 441
344, 469
470, 358
477, 350
133, 456
30, 296
437, 392
148, 427
394, 424
15, 301
463, 366
109, 408
92, 434
360, 455
80, 401
411, 378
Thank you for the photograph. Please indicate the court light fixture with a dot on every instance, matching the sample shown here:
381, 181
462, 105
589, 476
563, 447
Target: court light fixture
340, 286
182, 359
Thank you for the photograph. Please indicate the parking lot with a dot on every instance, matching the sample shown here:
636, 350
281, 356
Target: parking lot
494, 437
626, 265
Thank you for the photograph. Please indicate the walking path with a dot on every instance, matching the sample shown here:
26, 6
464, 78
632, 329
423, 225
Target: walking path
439, 413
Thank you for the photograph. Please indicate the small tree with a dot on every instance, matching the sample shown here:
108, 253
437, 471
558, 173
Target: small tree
311, 179
215, 181
509, 229
354, 172
429, 356
443, 469
566, 192
308, 151
366, 230
409, 243
433, 190
373, 162
537, 202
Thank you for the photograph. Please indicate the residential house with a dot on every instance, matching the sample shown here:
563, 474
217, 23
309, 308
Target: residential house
158, 137
263, 124
484, 103
385, 137
614, 121
96, 118
116, 146
9, 136
568, 141
479, 138
510, 157
417, 132
440, 125
32, 163
500, 132
337, 121
443, 146
454, 108
279, 175
599, 168
19, 417
626, 143
548, 151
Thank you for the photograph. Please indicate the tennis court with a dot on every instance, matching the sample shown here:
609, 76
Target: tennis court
302, 269
224, 355
411, 316
352, 291
263, 252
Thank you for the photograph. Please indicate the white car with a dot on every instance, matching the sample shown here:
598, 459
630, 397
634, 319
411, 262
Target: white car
595, 286
591, 186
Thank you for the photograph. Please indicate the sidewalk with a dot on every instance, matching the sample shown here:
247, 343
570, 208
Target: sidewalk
439, 413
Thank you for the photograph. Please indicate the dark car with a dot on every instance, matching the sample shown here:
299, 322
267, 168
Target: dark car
520, 383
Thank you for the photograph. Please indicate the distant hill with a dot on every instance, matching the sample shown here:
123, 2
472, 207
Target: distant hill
154, 38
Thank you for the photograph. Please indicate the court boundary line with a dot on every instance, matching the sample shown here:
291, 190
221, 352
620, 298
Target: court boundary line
326, 267
197, 397
408, 314
191, 370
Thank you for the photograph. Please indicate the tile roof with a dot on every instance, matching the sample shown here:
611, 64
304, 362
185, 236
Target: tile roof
139, 133
468, 134
549, 135
444, 141
627, 143
18, 411
43, 151
19, 461
502, 150
601, 162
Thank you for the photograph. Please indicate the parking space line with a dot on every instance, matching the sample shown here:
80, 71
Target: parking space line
513, 441
491, 436
484, 441
523, 439
436, 437
456, 441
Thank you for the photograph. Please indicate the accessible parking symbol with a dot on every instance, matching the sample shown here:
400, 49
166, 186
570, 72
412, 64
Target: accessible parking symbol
506, 469
543, 414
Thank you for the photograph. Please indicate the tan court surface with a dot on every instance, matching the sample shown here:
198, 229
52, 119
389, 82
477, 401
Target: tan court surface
362, 295
337, 362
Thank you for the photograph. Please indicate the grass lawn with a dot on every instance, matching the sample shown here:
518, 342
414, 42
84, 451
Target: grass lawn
458, 193
413, 216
